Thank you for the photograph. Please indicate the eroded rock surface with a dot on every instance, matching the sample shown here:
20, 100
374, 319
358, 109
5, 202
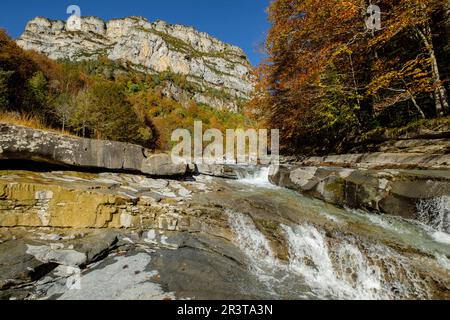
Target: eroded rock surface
382, 160
396, 192
23, 143
209, 238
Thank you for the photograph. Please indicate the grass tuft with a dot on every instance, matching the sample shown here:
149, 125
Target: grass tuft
27, 120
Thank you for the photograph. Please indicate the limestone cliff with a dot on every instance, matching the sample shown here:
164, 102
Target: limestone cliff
219, 72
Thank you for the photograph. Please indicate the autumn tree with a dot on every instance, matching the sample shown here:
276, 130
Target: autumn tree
328, 77
17, 68
310, 55
4, 94
413, 70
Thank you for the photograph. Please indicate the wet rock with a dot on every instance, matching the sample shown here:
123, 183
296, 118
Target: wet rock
222, 171
226, 171
197, 274
395, 192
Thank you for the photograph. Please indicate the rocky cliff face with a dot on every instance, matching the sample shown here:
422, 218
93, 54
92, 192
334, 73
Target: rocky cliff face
220, 72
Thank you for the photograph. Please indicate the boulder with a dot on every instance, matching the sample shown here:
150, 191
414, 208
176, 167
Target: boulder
162, 165
217, 170
23, 143
227, 171
395, 192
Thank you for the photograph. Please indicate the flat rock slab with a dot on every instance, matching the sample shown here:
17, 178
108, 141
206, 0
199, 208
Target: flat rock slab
177, 266
23, 143
380, 160
26, 260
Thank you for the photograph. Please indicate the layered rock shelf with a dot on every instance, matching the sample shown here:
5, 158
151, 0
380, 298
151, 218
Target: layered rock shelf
136, 218
22, 143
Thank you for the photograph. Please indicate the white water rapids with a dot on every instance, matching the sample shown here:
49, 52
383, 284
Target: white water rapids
324, 270
434, 214
324, 267
259, 178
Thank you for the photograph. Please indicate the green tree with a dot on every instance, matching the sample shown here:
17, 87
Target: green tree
105, 111
63, 109
38, 86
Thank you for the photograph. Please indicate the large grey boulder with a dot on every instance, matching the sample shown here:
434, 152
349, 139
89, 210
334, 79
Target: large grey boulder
161, 165
395, 192
22, 143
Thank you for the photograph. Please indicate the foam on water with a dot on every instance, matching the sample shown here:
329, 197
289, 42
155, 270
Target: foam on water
338, 269
435, 213
441, 237
260, 178
310, 256
383, 221
253, 242
262, 260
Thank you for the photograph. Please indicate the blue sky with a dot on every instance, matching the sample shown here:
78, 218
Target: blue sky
240, 22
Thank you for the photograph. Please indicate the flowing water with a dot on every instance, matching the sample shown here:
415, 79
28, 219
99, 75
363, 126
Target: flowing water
334, 253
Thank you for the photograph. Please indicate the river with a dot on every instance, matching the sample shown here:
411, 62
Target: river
336, 253
214, 238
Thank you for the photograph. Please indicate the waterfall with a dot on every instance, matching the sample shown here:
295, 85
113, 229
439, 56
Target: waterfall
262, 260
258, 177
336, 269
435, 213
310, 256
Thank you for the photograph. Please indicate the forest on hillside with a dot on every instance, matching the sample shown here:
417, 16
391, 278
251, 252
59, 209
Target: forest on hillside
99, 99
329, 79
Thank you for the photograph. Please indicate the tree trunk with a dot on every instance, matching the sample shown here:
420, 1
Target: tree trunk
411, 96
440, 94
417, 105
354, 81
